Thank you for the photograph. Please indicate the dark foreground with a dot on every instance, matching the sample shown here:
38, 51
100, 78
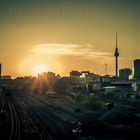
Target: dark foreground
25, 116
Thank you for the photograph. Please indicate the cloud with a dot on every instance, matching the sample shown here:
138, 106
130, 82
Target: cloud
86, 50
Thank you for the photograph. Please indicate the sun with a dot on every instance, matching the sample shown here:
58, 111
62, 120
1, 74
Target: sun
40, 69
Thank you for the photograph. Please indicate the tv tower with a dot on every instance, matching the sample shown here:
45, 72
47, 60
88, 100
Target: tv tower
116, 54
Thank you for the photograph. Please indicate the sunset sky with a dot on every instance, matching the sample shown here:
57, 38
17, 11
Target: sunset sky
67, 35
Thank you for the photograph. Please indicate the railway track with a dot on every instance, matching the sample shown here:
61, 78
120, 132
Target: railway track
56, 107
52, 118
15, 123
41, 130
2, 101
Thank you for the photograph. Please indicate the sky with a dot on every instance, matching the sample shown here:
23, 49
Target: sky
67, 35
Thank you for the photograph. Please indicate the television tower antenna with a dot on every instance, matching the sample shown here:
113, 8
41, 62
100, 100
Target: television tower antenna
105, 69
116, 54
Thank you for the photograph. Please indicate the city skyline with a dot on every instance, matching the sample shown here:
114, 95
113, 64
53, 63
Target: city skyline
68, 35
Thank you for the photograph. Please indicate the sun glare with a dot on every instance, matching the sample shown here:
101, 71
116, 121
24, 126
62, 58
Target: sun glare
40, 69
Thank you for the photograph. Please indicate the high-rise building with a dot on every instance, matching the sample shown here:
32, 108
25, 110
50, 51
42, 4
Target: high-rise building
137, 68
124, 73
0, 71
116, 54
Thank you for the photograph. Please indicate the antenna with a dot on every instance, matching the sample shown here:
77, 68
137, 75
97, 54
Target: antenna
116, 41
105, 69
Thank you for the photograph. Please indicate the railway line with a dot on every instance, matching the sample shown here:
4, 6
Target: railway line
17, 126
2, 96
54, 120
15, 123
57, 108
35, 123
31, 117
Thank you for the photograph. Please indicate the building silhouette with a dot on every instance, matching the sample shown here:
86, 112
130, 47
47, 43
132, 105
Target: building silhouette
125, 73
0, 70
116, 54
137, 68
75, 74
